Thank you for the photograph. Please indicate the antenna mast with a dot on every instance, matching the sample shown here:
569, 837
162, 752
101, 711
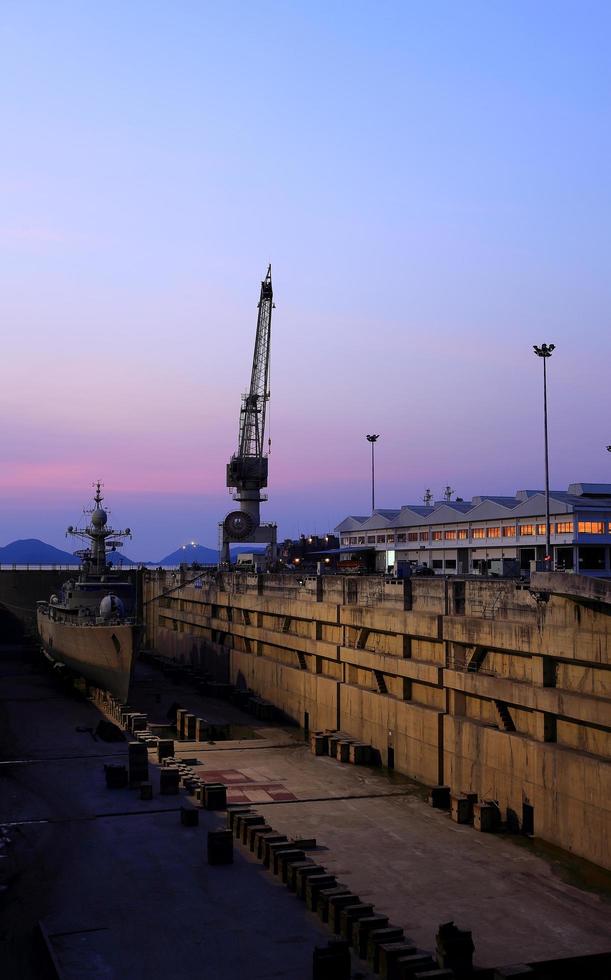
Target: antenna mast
99, 534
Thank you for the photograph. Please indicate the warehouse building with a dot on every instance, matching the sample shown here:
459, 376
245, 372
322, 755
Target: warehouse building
490, 533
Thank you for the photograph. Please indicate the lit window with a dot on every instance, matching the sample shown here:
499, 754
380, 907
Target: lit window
449, 535
381, 539
436, 535
424, 535
591, 527
412, 535
527, 530
509, 532
478, 532
494, 532
401, 538
564, 527
463, 533
345, 541
371, 539
541, 529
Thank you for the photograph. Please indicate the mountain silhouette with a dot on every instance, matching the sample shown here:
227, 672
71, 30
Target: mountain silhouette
189, 553
118, 558
31, 551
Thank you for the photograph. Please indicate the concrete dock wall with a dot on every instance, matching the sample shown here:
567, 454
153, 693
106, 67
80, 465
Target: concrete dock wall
487, 685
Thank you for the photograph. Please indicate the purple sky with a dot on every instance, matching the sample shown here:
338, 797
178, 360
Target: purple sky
431, 186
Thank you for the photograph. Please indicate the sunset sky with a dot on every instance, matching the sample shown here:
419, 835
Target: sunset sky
430, 182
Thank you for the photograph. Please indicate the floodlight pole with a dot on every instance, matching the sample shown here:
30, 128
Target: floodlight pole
373, 439
545, 351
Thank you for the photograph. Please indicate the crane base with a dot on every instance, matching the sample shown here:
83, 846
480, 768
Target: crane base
263, 534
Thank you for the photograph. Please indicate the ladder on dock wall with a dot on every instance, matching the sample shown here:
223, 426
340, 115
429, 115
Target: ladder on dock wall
381, 682
476, 659
507, 722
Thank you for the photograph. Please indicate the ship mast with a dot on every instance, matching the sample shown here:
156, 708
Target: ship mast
98, 534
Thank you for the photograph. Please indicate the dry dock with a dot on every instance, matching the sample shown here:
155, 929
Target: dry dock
124, 890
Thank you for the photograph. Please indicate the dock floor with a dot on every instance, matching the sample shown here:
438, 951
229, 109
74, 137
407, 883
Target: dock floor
124, 890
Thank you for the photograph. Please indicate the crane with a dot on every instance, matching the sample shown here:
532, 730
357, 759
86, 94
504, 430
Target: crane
247, 468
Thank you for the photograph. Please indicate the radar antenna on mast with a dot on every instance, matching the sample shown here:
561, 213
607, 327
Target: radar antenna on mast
97, 531
248, 467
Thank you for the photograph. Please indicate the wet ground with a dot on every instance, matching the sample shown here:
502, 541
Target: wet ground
124, 890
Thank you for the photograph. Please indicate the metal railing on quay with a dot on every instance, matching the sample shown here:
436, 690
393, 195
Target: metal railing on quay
32, 567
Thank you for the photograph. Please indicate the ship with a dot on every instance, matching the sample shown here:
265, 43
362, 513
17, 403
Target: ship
91, 625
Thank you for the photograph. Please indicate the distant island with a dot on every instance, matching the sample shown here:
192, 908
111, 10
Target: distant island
32, 551
190, 553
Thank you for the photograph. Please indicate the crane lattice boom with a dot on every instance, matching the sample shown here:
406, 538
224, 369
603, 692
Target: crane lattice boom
247, 469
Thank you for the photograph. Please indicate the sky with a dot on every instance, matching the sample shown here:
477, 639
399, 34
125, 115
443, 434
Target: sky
430, 182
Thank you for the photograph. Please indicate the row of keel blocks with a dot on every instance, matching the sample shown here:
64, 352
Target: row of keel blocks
342, 747
464, 808
212, 795
187, 674
368, 933
191, 728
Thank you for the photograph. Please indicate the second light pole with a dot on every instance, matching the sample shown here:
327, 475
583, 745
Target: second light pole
545, 351
373, 439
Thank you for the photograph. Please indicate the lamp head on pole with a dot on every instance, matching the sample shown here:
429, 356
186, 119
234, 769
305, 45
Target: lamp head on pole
545, 350
373, 438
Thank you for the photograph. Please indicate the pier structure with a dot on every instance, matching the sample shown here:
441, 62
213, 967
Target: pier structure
491, 687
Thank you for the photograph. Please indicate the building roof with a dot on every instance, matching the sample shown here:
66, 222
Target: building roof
590, 489
351, 523
579, 497
504, 501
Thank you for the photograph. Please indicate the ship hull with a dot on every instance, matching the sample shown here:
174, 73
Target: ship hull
103, 654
